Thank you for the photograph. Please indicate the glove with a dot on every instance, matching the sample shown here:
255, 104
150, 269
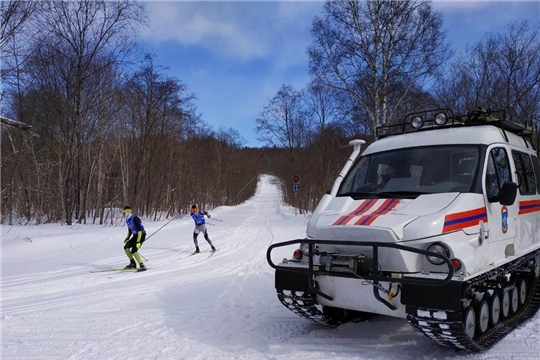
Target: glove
138, 245
126, 240
208, 216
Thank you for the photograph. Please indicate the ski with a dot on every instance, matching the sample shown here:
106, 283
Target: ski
118, 269
183, 257
200, 252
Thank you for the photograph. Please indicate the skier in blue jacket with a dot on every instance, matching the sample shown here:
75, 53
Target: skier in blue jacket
138, 235
200, 226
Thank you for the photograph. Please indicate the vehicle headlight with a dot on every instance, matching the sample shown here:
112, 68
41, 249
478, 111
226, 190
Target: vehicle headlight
441, 118
439, 249
417, 122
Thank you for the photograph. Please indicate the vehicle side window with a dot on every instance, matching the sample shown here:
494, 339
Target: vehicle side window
529, 172
525, 171
359, 172
497, 173
536, 166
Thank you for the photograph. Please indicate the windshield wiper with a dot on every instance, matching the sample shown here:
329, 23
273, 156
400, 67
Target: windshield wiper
384, 194
360, 195
411, 194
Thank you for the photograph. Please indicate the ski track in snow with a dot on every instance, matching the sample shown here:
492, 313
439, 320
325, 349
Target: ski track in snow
222, 306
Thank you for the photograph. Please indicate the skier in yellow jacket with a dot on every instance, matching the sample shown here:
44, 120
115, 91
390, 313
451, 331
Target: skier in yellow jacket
134, 240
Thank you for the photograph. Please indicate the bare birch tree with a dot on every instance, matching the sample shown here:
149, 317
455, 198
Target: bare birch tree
366, 48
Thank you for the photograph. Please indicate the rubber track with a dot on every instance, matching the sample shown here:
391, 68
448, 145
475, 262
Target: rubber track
303, 304
452, 333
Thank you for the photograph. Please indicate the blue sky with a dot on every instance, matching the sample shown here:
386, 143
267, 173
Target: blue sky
235, 55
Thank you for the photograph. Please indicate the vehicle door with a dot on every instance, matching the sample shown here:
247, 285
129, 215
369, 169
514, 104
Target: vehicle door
529, 201
502, 220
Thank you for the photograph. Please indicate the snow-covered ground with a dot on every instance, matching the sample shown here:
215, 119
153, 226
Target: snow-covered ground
200, 307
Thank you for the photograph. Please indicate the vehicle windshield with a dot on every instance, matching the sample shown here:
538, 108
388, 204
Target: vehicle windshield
412, 172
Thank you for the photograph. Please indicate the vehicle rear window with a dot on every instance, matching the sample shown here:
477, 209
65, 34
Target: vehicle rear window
525, 172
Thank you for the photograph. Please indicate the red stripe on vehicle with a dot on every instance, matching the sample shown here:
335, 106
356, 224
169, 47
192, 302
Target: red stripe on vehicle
385, 207
362, 208
529, 206
464, 214
464, 219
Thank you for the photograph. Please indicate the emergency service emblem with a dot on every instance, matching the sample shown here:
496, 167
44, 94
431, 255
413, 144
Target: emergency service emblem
504, 219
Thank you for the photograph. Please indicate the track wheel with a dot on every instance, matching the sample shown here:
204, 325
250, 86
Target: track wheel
514, 300
522, 291
494, 309
470, 322
482, 317
505, 307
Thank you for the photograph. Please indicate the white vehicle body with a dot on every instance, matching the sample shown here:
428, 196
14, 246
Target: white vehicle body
467, 192
475, 236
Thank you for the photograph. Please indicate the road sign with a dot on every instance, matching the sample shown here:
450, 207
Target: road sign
296, 179
296, 187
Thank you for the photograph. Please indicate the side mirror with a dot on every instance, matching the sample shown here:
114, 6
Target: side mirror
508, 193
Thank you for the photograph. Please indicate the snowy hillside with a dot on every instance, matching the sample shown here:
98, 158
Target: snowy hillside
200, 307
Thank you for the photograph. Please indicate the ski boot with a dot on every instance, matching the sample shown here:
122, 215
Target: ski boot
141, 268
196, 250
132, 265
213, 248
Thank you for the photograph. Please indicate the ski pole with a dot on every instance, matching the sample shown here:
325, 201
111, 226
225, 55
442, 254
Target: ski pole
145, 259
160, 228
217, 219
210, 224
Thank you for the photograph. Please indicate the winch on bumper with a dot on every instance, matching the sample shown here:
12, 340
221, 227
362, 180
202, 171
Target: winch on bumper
415, 290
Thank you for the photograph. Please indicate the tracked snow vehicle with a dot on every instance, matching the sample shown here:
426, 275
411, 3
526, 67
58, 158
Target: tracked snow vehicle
438, 222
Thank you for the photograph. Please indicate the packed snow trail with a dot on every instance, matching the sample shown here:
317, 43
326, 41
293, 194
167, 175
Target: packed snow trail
222, 306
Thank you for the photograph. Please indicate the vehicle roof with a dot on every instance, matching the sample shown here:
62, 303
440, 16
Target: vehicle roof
482, 134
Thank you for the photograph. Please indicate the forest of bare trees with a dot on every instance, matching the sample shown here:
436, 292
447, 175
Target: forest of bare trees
112, 129
110, 126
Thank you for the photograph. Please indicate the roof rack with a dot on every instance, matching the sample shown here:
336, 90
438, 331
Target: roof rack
445, 118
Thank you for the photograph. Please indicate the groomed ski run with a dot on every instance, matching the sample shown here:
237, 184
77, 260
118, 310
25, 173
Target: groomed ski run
219, 307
